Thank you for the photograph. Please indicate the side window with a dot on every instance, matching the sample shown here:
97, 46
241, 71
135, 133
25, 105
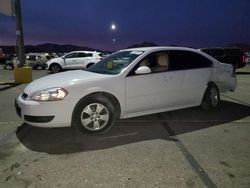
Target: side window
81, 54
233, 52
156, 61
183, 60
48, 57
32, 58
72, 55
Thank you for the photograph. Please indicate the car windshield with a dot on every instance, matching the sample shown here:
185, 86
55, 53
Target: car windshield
115, 63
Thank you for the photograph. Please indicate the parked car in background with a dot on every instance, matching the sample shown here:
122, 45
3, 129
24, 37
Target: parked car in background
9, 61
248, 57
74, 60
128, 83
37, 60
234, 56
5, 60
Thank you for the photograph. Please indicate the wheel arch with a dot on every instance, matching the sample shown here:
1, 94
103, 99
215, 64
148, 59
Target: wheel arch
115, 102
206, 103
54, 64
89, 64
212, 83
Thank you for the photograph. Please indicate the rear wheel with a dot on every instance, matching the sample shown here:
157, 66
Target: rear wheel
211, 98
94, 115
38, 67
55, 68
9, 66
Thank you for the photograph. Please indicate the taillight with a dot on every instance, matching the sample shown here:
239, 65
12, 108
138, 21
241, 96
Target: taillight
244, 58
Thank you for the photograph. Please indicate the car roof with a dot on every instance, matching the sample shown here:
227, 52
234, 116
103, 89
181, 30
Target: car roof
221, 48
156, 48
83, 52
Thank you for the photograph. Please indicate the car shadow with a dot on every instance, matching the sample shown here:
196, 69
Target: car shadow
242, 73
67, 140
7, 85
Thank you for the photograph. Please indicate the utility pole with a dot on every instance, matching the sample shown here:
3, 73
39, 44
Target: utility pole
19, 33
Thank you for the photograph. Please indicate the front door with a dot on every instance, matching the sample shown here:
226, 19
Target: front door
158, 89
71, 60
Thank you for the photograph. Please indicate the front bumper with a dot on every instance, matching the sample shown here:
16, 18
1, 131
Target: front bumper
18, 109
45, 114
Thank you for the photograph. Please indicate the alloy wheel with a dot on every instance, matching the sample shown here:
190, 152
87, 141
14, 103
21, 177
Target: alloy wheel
214, 96
94, 117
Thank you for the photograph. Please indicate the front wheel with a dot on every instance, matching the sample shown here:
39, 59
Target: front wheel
94, 115
211, 98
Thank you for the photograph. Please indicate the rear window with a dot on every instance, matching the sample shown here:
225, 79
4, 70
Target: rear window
218, 52
234, 52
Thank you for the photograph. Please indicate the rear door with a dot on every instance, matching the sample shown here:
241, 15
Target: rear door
84, 59
195, 71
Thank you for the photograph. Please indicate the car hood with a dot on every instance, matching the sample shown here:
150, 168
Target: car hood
63, 80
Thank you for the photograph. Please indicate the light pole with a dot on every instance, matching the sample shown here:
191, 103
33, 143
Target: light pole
113, 29
19, 33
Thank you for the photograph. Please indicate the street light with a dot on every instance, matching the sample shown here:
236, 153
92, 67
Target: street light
113, 29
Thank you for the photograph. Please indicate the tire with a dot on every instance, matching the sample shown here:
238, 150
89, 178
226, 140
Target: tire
211, 98
55, 68
89, 65
38, 67
94, 115
9, 66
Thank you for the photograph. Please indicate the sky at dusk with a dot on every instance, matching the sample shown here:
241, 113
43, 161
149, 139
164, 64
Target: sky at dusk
192, 23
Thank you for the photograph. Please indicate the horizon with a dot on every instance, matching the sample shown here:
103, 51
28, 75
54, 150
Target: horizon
192, 24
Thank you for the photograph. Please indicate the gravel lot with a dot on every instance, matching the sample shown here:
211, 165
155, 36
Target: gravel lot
182, 148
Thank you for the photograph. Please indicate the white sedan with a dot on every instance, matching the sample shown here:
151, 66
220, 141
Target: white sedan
128, 83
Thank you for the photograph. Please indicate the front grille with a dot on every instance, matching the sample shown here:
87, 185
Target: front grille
24, 96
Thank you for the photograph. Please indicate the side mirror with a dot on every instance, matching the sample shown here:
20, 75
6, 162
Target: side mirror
63, 57
143, 70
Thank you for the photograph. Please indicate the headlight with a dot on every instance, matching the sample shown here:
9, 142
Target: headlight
52, 94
